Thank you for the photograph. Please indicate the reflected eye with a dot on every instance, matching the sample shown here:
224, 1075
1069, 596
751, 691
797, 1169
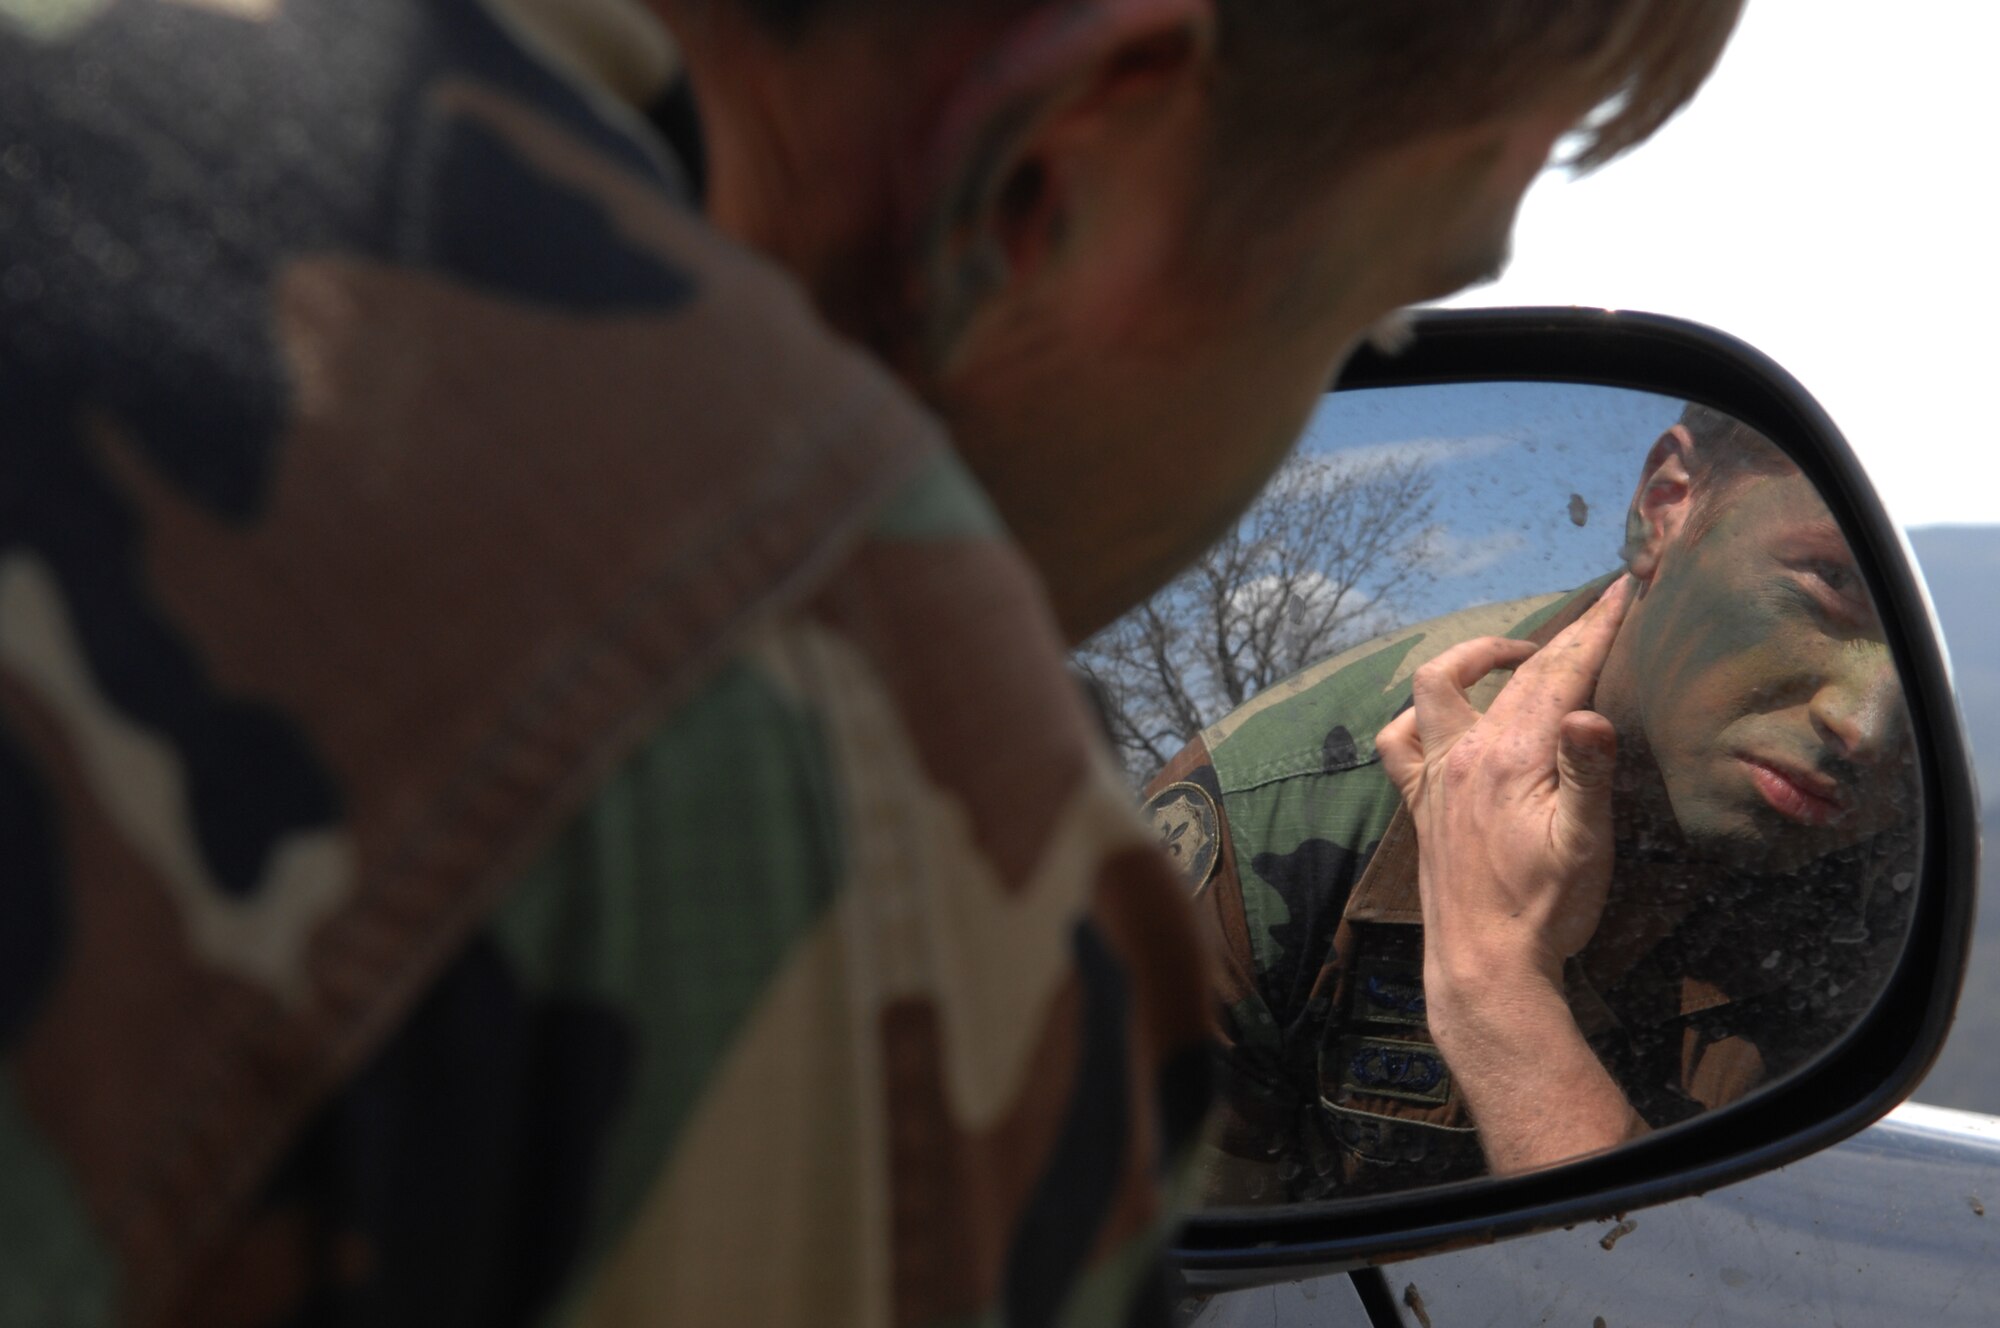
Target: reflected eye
1835, 587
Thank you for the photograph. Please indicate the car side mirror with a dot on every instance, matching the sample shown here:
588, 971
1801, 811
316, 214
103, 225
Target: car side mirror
1791, 912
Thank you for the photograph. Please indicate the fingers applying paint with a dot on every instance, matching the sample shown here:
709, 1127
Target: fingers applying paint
1549, 685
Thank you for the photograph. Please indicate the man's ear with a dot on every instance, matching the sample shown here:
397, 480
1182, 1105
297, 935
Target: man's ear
1662, 503
1023, 135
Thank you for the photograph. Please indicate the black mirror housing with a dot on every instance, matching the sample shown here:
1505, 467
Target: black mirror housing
1877, 1062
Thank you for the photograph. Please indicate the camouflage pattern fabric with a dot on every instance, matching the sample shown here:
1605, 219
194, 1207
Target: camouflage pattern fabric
1331, 1084
532, 787
1301, 805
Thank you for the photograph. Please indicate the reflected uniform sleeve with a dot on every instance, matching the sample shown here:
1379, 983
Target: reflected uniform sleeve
1301, 806
1258, 1102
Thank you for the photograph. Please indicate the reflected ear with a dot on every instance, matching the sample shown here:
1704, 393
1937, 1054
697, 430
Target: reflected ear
1027, 140
1661, 504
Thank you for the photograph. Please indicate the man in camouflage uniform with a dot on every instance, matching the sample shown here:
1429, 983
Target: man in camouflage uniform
534, 786
1742, 934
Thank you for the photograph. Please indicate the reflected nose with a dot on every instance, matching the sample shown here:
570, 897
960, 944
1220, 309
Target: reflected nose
1858, 709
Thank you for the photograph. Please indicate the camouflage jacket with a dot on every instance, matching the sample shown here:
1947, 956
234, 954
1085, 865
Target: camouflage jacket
533, 788
1304, 870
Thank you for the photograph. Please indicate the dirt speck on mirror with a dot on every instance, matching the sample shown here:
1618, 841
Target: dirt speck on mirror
1415, 1304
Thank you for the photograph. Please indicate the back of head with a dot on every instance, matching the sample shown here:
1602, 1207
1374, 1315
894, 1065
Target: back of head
1150, 229
1359, 73
1343, 77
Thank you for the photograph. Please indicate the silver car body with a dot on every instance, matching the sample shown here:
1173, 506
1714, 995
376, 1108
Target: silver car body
1891, 1227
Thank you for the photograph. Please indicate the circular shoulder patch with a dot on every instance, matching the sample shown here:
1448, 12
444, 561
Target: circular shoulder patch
1190, 829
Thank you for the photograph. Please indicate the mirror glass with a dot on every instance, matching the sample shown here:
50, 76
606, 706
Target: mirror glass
1764, 805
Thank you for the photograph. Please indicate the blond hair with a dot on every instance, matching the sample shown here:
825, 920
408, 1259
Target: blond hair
1341, 78
1352, 76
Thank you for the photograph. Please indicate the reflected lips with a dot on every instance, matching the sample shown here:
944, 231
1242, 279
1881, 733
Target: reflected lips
1809, 799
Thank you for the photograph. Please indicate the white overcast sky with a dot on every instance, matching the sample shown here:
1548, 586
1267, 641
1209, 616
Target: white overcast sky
1832, 198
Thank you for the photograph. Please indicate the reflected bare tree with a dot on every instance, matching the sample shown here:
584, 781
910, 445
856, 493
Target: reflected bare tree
1323, 559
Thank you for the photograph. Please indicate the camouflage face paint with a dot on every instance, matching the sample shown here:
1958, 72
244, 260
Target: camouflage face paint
1760, 684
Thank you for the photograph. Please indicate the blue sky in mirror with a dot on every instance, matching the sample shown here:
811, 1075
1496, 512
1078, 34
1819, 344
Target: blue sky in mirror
1505, 460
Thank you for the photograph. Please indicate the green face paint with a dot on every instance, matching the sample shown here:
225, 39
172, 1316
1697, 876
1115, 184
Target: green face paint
1761, 686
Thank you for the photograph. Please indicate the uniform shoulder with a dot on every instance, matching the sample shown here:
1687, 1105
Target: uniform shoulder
1325, 716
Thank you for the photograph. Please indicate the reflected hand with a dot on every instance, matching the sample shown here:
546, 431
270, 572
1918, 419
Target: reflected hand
1512, 808
1514, 852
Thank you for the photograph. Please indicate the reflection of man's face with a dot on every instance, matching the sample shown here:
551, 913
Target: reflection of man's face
1757, 672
